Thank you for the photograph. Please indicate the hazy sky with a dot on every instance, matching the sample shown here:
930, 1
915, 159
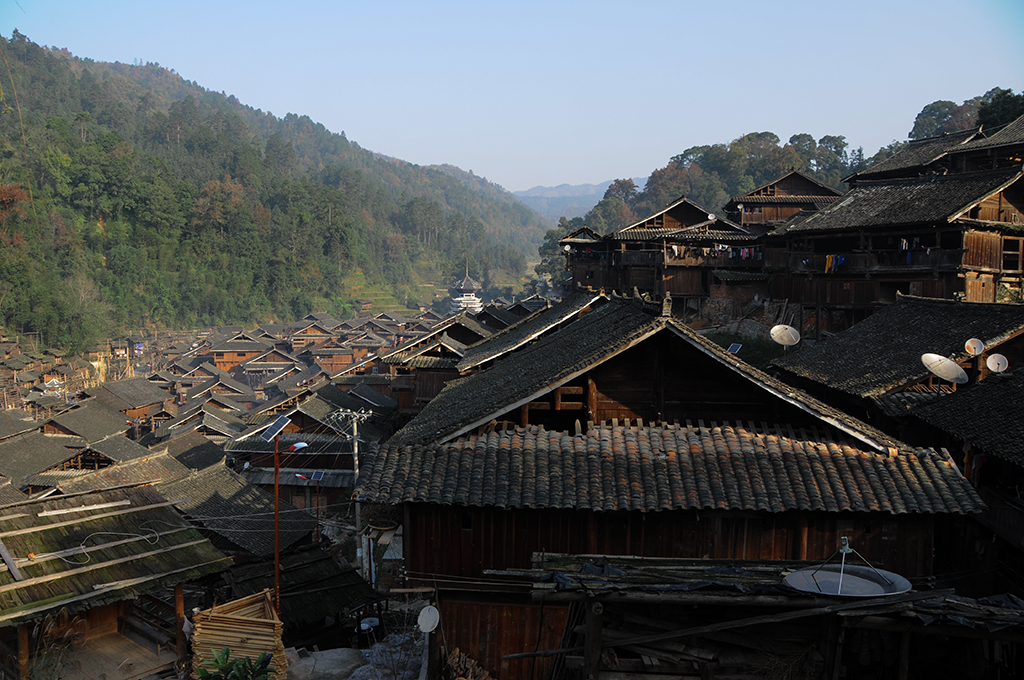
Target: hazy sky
543, 93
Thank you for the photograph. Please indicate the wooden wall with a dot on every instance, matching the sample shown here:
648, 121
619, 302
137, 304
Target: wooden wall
461, 541
488, 629
984, 250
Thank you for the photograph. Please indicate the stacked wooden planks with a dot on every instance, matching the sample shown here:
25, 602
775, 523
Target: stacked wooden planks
248, 627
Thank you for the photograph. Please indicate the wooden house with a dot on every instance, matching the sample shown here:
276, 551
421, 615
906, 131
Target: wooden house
683, 251
310, 333
768, 206
624, 433
229, 354
54, 604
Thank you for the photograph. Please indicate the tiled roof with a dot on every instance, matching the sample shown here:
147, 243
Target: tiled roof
1013, 133
916, 200
373, 397
898, 404
26, 454
651, 468
12, 423
142, 550
814, 200
989, 415
155, 467
884, 351
530, 328
558, 357
193, 450
919, 153
119, 448
8, 494
133, 392
224, 503
326, 442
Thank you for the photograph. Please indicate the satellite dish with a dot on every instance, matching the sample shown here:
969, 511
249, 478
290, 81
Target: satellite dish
566, 247
711, 216
974, 347
428, 619
847, 580
997, 363
785, 335
944, 368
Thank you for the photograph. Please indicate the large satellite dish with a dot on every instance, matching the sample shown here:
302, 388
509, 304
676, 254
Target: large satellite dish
428, 618
944, 368
851, 580
997, 363
974, 347
785, 335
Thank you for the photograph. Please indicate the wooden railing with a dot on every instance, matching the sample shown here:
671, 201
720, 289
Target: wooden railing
875, 260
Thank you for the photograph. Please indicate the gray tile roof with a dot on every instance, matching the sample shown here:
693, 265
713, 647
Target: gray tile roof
224, 503
92, 421
9, 494
552, 361
119, 448
884, 351
932, 199
989, 415
1012, 133
133, 392
528, 329
918, 154
194, 451
16, 421
156, 467
650, 468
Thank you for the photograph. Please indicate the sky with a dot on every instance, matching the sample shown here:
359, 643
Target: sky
547, 93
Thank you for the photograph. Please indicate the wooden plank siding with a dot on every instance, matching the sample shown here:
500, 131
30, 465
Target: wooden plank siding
486, 630
984, 250
466, 541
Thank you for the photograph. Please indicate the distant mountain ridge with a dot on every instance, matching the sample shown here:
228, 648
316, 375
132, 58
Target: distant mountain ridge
567, 200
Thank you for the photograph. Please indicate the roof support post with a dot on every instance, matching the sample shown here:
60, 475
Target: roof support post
181, 644
23, 651
592, 653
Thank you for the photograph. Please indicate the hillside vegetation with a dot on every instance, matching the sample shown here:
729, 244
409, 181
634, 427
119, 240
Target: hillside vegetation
131, 196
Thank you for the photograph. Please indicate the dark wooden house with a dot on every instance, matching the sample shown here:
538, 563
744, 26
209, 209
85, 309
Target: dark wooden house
684, 251
624, 433
768, 206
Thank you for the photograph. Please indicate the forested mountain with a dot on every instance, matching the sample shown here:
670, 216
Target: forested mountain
568, 200
129, 195
710, 175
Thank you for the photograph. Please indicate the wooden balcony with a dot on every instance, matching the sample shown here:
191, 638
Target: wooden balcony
863, 262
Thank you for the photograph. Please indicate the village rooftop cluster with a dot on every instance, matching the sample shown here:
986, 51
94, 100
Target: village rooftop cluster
585, 487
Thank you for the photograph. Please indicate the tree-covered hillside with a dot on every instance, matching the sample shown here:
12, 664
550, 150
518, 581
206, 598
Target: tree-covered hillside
129, 196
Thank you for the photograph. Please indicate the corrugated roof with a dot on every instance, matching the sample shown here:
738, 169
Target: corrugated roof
133, 541
884, 351
650, 468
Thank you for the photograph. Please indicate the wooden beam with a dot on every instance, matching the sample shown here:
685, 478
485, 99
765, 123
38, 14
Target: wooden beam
181, 644
82, 520
23, 651
9, 561
751, 621
99, 565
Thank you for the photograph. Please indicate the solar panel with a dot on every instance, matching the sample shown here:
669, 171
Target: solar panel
735, 347
275, 429
318, 475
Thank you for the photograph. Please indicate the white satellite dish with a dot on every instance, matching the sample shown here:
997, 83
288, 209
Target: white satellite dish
428, 618
785, 335
944, 368
711, 216
974, 347
997, 363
